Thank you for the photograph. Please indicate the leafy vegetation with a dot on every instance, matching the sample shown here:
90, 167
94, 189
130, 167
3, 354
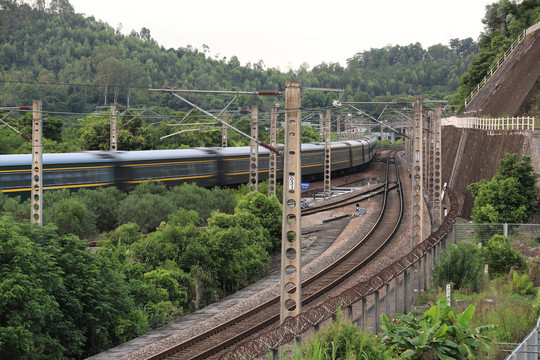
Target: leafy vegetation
60, 299
510, 196
343, 340
459, 265
439, 332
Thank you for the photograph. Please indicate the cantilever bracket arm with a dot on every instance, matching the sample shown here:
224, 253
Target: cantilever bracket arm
258, 142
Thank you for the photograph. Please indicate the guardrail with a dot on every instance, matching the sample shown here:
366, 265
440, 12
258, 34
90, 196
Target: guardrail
528, 349
494, 68
397, 278
500, 61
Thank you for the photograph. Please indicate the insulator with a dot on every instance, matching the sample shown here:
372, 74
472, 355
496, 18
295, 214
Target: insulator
268, 92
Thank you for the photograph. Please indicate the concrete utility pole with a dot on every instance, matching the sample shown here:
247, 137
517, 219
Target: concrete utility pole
291, 234
417, 173
254, 150
425, 149
328, 156
37, 165
272, 161
114, 127
437, 160
224, 130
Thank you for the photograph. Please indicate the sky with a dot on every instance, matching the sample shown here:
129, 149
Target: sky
285, 34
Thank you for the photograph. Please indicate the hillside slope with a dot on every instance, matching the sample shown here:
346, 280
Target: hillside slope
510, 90
470, 155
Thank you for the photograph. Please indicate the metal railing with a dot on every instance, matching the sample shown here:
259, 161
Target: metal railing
528, 349
401, 278
495, 67
484, 232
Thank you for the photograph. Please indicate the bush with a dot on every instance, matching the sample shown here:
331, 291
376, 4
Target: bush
13, 207
103, 202
500, 256
268, 211
147, 210
71, 216
343, 340
438, 333
460, 266
204, 201
522, 285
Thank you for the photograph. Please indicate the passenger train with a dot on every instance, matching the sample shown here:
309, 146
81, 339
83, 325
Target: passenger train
206, 167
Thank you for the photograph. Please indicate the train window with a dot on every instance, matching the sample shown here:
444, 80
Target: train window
15, 180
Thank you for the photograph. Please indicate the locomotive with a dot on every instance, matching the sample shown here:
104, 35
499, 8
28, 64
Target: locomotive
205, 167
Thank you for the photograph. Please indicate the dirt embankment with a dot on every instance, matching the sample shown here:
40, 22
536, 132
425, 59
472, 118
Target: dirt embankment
469, 155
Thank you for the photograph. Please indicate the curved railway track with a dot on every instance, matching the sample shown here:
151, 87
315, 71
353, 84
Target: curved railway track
214, 343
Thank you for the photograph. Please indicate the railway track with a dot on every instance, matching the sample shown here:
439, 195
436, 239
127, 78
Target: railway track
217, 341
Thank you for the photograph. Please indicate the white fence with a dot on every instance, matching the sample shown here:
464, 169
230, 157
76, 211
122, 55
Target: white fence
507, 123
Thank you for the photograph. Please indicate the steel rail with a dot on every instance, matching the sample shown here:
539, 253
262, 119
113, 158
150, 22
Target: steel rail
169, 353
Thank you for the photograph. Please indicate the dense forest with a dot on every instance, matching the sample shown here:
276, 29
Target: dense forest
73, 63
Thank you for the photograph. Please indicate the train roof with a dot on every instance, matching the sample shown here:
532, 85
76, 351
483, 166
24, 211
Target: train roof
147, 155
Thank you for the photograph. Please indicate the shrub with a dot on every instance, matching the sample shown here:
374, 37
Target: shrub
438, 333
268, 211
71, 216
459, 265
148, 210
500, 256
103, 202
522, 285
343, 340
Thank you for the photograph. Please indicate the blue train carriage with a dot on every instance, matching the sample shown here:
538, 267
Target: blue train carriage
171, 167
312, 161
90, 169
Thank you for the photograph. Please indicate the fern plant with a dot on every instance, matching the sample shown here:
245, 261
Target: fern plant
522, 284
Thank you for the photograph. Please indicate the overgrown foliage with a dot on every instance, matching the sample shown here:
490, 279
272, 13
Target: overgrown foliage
438, 333
510, 197
459, 265
60, 299
500, 256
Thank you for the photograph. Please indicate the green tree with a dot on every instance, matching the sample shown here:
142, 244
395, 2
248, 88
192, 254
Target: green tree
510, 197
102, 202
236, 245
28, 313
148, 210
268, 212
71, 216
204, 201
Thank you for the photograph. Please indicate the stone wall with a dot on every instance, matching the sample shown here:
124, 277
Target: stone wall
469, 155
